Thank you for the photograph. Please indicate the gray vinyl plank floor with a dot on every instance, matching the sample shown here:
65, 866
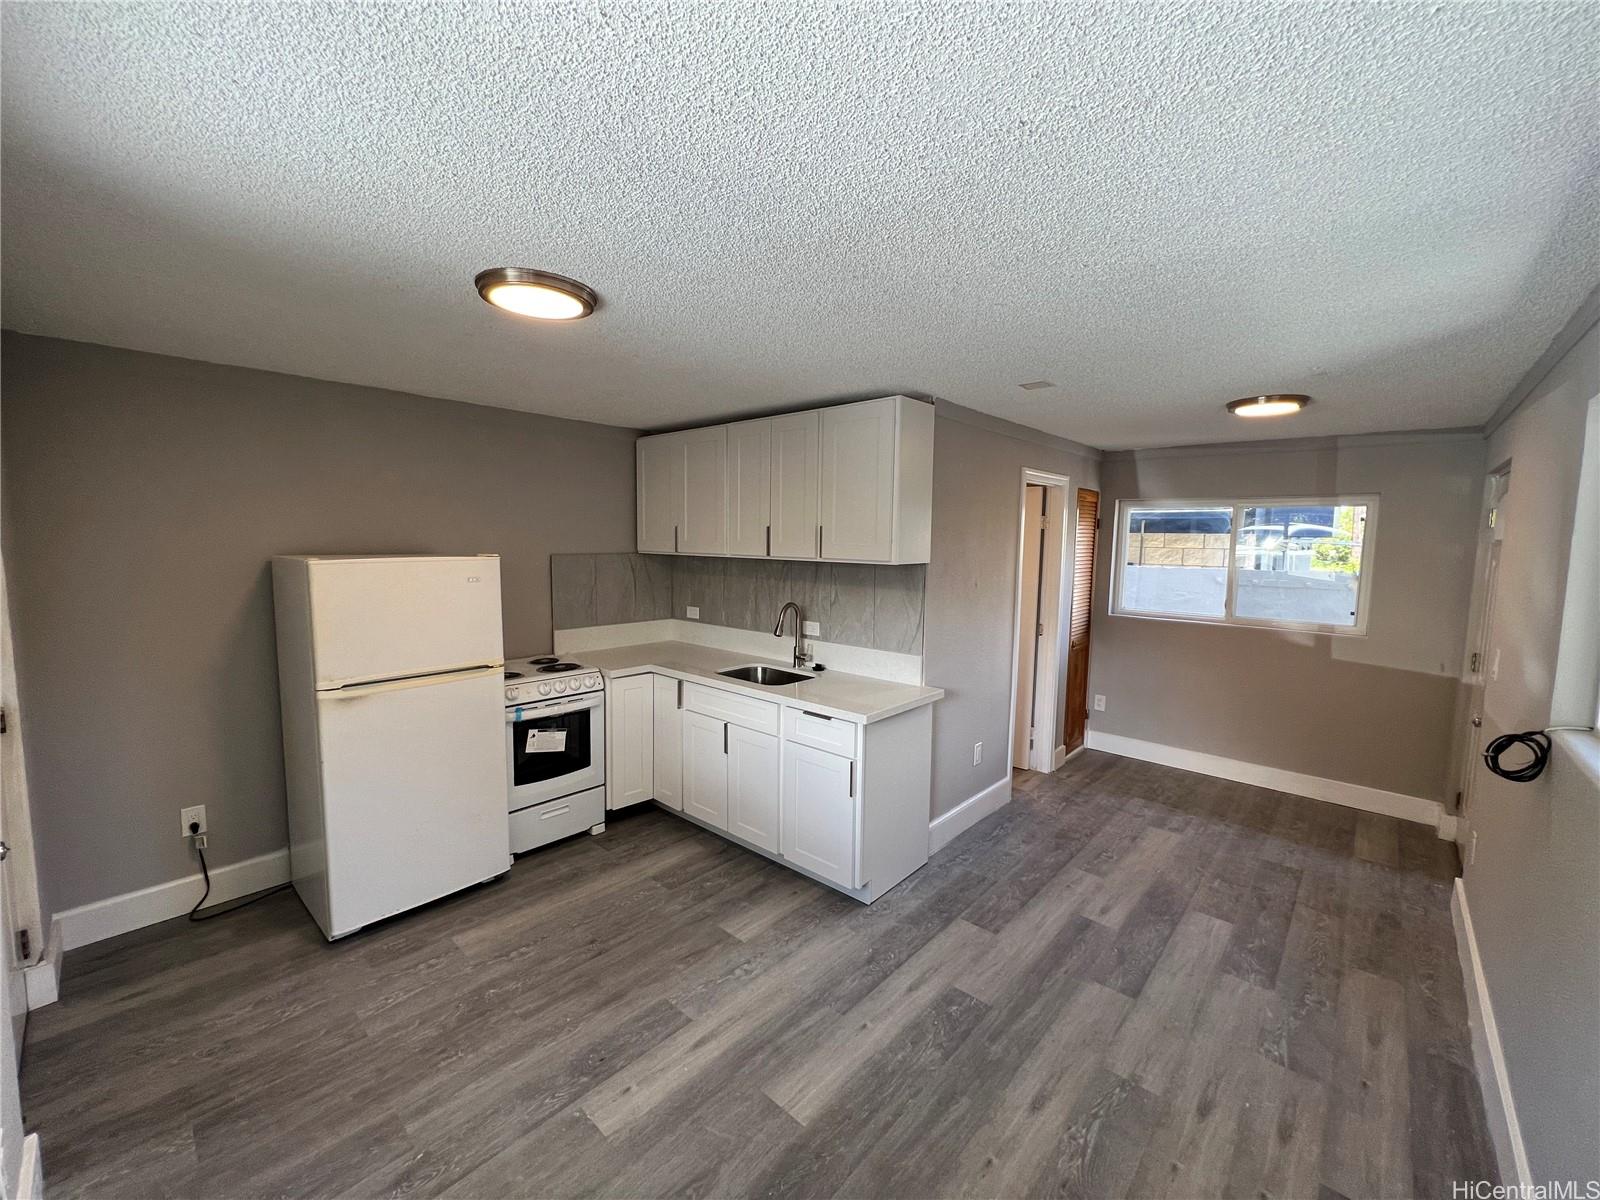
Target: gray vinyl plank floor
1131, 981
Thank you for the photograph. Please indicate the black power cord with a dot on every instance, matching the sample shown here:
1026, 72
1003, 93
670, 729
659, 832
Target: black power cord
1535, 741
218, 910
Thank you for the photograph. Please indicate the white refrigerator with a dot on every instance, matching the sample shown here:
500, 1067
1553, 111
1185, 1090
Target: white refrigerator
390, 674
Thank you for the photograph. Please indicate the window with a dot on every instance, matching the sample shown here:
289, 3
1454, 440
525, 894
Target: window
1293, 563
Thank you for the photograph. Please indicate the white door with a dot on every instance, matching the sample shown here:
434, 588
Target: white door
858, 445
819, 813
749, 487
795, 469
753, 783
13, 1007
1029, 631
659, 484
705, 489
414, 793
1480, 624
630, 709
705, 769
669, 741
385, 618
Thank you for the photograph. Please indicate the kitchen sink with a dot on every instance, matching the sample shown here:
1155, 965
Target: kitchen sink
766, 676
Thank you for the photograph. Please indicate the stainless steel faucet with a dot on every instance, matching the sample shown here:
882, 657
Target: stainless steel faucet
801, 658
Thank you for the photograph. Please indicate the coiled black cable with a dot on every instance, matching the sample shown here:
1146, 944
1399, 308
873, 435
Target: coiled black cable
1535, 741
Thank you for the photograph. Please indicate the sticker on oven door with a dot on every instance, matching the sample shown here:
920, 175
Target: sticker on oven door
545, 741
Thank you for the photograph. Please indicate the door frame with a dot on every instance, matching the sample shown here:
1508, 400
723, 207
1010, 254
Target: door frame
1480, 616
1054, 608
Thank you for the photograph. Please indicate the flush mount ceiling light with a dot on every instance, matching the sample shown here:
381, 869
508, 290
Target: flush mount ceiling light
1279, 405
539, 294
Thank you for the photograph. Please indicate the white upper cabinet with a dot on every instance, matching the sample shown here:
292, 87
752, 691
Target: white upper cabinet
705, 488
681, 490
853, 483
796, 468
749, 487
660, 493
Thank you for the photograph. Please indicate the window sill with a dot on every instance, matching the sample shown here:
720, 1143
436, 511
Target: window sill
1225, 623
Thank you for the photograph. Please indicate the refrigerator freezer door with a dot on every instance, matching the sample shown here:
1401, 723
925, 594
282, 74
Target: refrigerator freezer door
414, 788
384, 618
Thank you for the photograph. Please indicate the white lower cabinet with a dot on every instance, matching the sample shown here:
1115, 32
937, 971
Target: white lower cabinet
705, 769
753, 787
819, 813
669, 741
630, 717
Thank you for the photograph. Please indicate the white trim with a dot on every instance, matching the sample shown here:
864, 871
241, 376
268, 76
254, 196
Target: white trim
1499, 1105
1059, 756
30, 1170
1448, 826
42, 980
134, 910
1334, 791
943, 830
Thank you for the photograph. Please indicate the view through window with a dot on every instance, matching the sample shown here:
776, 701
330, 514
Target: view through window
1297, 563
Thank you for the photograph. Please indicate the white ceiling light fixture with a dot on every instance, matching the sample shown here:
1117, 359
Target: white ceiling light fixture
543, 295
1280, 404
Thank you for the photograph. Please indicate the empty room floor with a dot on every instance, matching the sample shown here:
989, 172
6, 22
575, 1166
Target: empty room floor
1131, 981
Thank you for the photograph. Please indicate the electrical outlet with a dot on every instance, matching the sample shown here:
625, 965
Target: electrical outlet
1099, 704
195, 814
977, 753
813, 629
692, 613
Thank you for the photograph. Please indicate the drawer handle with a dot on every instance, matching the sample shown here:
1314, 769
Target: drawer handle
724, 737
680, 693
566, 808
806, 712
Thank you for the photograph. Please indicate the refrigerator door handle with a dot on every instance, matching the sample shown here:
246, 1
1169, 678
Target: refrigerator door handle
357, 691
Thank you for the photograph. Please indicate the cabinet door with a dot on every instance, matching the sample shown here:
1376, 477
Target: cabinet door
705, 769
749, 486
630, 744
703, 527
795, 520
858, 446
659, 492
753, 787
819, 813
668, 742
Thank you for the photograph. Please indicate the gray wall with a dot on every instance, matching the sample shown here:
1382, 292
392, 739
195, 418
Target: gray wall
143, 496
1373, 710
1534, 885
972, 584
855, 604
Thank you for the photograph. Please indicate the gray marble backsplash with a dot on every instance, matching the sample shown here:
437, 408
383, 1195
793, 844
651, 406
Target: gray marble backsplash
856, 604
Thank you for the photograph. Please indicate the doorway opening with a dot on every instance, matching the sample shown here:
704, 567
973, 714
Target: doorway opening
1479, 664
1039, 644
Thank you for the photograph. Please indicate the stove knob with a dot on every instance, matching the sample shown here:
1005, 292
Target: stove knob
544, 689
561, 685
593, 681
511, 693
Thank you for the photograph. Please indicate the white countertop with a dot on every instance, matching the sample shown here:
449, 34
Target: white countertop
835, 693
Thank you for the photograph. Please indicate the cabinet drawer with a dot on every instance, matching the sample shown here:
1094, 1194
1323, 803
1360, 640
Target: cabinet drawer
557, 819
833, 734
760, 715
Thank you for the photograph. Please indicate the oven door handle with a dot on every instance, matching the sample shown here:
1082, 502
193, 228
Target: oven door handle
550, 708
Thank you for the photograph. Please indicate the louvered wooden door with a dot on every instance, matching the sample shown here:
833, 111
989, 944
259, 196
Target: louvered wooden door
1082, 602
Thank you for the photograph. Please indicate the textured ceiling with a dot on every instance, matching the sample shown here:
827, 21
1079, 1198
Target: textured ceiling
1157, 207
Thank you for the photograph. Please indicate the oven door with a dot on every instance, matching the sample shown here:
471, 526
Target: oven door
555, 748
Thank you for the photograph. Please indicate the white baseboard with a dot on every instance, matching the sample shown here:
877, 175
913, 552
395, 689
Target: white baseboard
42, 980
1058, 757
1499, 1106
1334, 791
147, 906
30, 1171
945, 829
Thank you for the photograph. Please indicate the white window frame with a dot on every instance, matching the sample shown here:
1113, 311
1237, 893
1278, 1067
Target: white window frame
1363, 586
